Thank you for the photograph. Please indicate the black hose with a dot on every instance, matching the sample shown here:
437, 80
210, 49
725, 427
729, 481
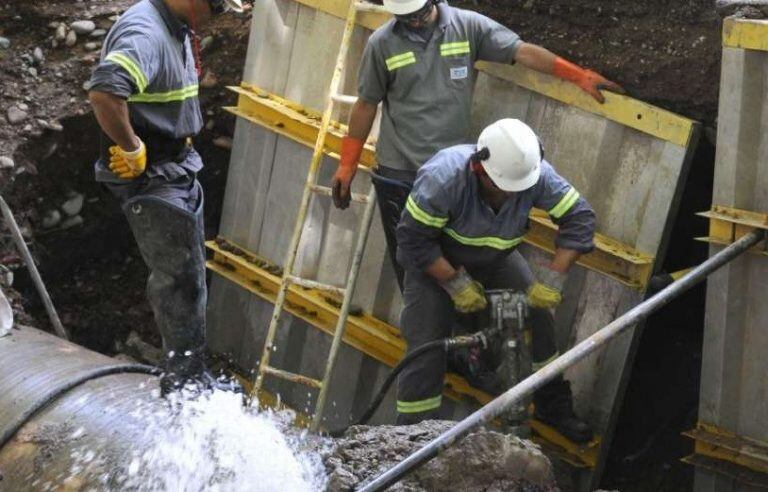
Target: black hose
446, 344
442, 343
52, 395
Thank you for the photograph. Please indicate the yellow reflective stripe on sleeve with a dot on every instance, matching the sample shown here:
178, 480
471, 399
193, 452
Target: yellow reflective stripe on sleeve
539, 365
565, 203
131, 67
457, 48
420, 215
488, 241
420, 405
164, 97
399, 61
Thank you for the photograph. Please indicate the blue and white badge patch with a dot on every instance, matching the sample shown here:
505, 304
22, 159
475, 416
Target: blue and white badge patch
458, 73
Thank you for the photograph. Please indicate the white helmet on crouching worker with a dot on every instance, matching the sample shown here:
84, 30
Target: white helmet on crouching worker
406, 7
510, 153
221, 6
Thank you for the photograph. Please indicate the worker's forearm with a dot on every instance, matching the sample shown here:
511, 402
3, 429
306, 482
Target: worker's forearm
536, 58
361, 119
112, 114
564, 259
441, 270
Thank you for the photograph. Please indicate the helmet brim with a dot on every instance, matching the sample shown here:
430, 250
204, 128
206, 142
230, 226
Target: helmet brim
515, 185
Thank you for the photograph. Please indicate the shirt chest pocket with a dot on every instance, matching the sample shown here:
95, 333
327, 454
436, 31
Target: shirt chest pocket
456, 59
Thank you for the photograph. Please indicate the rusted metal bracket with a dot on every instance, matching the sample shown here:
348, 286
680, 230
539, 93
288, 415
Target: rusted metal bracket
724, 452
610, 257
727, 224
365, 333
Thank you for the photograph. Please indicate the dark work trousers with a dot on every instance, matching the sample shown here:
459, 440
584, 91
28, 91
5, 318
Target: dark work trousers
166, 218
392, 189
428, 314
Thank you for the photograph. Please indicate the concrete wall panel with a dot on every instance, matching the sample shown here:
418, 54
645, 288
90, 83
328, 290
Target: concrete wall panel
630, 177
734, 390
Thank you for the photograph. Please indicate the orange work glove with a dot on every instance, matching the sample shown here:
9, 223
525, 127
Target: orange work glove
351, 149
590, 82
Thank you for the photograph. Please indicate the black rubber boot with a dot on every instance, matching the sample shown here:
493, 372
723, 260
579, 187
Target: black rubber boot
554, 406
188, 372
171, 243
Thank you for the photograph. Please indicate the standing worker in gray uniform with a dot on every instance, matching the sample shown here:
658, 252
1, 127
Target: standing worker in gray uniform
144, 93
421, 66
462, 222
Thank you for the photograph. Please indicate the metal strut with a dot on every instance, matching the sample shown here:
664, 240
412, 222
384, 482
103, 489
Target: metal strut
502, 403
289, 278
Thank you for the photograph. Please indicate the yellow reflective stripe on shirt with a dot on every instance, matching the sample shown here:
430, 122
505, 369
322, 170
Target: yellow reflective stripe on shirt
399, 61
131, 67
164, 97
420, 215
457, 48
565, 203
420, 405
488, 241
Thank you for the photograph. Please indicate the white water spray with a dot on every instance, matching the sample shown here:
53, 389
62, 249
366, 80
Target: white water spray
211, 443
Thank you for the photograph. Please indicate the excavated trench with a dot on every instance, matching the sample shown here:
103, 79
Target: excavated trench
96, 275
96, 278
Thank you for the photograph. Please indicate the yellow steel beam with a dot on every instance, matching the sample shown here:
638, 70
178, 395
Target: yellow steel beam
291, 120
727, 224
363, 332
713, 442
612, 258
750, 34
338, 8
621, 109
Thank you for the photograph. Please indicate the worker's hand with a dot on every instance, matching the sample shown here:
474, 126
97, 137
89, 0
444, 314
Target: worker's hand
467, 294
590, 82
128, 165
546, 291
351, 149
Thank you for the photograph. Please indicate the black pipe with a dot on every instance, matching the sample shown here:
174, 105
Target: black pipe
10, 429
512, 396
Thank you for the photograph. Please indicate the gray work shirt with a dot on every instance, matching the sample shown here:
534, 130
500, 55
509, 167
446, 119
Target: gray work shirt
148, 60
445, 215
427, 87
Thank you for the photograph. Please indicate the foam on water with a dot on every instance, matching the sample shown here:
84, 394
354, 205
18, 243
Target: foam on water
213, 443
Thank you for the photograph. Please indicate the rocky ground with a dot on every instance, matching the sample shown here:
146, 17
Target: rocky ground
483, 461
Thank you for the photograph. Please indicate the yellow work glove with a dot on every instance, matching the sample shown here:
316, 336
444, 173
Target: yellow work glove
467, 295
546, 291
128, 165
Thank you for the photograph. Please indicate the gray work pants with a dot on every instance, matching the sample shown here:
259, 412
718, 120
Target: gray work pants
428, 314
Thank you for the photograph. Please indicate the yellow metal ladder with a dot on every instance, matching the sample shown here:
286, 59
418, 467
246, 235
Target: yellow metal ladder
288, 278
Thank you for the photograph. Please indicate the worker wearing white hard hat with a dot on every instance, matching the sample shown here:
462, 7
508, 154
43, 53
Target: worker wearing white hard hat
463, 220
421, 67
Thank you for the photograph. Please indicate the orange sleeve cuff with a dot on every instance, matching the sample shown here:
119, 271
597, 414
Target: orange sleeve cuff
567, 70
351, 150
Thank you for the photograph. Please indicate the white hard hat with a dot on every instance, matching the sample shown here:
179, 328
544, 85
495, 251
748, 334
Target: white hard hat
514, 163
404, 7
235, 5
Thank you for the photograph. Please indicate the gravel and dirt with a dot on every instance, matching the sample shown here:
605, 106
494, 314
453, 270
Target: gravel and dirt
667, 53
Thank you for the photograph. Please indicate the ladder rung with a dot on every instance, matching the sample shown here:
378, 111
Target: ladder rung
311, 284
344, 99
294, 378
370, 7
325, 191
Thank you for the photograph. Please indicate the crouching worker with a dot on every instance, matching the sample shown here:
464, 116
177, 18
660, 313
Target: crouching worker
144, 93
466, 214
